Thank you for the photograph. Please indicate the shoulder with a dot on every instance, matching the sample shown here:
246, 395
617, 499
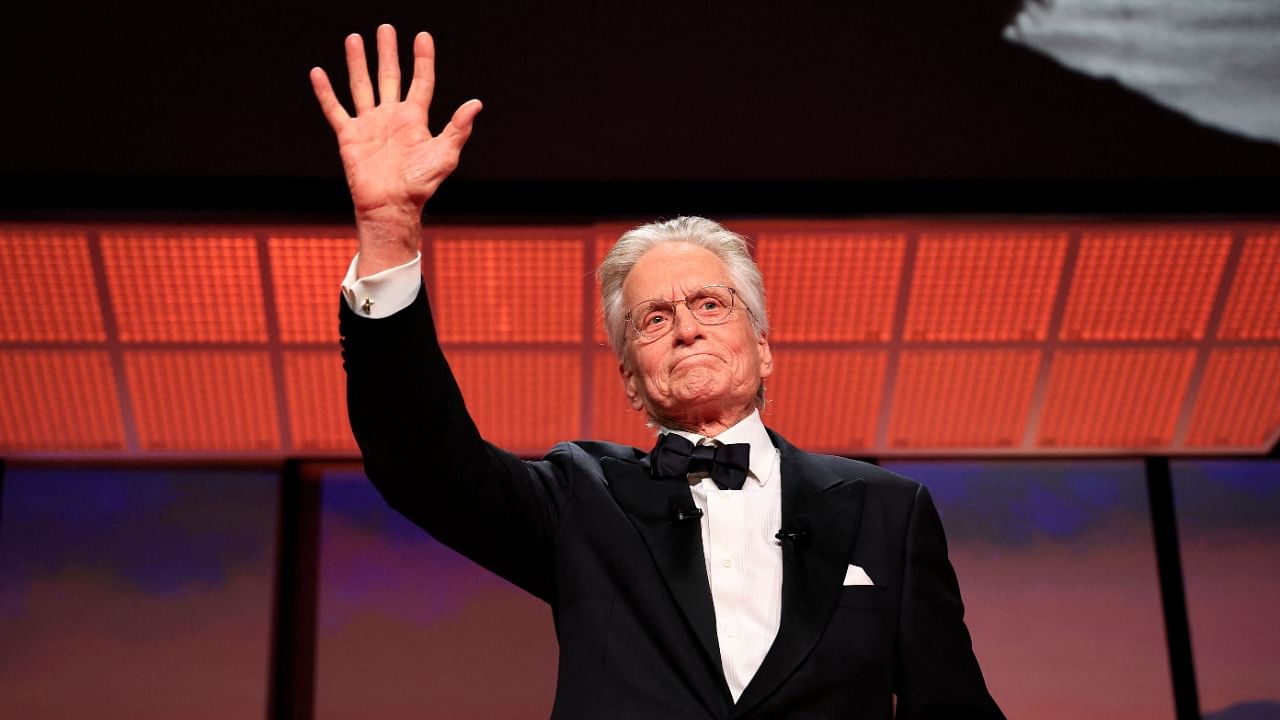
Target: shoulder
596, 449
578, 455
880, 486
877, 479
890, 501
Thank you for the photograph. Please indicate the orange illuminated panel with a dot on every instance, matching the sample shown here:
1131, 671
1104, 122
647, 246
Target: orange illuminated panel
612, 417
1144, 285
47, 290
601, 248
524, 402
606, 234
1238, 405
306, 273
826, 400
506, 285
984, 285
1253, 307
831, 286
183, 287
203, 400
64, 400
1114, 398
962, 398
316, 392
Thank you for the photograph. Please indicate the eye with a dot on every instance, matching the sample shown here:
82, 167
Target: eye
709, 306
654, 318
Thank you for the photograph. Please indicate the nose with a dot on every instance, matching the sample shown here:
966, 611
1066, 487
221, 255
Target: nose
684, 328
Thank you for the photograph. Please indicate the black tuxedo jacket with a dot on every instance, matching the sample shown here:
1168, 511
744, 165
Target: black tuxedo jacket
590, 532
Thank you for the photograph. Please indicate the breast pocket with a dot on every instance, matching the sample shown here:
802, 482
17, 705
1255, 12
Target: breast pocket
860, 637
863, 596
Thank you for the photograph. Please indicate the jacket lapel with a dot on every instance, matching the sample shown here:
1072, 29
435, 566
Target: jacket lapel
676, 546
813, 568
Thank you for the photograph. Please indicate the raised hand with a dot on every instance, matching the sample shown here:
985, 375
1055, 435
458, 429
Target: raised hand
392, 161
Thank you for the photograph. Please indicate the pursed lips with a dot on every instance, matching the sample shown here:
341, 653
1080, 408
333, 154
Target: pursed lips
680, 361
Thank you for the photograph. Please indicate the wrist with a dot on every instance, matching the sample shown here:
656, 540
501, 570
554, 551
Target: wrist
388, 237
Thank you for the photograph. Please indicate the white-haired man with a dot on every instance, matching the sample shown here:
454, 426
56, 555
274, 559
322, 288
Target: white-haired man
725, 574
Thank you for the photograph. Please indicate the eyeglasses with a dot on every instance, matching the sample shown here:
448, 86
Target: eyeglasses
711, 305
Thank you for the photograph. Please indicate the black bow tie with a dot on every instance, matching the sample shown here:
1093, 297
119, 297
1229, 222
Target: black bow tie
676, 457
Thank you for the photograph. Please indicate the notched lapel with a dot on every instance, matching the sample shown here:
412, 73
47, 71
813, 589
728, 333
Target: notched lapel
676, 546
813, 568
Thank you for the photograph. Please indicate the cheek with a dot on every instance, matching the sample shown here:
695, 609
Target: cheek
747, 361
649, 374
746, 370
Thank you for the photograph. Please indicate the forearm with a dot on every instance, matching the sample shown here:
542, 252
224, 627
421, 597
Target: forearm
406, 411
426, 457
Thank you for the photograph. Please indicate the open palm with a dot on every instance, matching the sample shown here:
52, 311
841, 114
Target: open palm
392, 161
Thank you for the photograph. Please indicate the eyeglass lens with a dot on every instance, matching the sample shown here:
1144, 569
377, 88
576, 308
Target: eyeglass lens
709, 306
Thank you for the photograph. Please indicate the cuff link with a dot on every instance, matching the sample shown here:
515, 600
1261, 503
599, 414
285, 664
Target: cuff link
367, 307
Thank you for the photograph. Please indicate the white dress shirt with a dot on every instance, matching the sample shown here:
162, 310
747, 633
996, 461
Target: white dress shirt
743, 558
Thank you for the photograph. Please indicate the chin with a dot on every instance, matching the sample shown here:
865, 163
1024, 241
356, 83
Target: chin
710, 393
699, 382
711, 403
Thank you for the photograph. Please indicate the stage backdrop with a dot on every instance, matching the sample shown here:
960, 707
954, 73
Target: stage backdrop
147, 593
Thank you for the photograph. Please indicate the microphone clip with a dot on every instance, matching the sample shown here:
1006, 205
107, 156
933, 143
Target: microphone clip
688, 514
683, 510
797, 534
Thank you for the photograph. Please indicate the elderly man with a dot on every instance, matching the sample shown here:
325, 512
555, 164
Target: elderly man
725, 574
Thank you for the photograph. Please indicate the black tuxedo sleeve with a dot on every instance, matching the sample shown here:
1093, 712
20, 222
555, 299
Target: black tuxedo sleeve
938, 675
424, 454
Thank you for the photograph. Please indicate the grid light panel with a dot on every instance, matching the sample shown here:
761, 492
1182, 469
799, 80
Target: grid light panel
218, 401
984, 285
826, 400
1238, 405
836, 286
1114, 398
831, 285
962, 398
605, 235
59, 400
194, 287
305, 275
1145, 284
47, 289
315, 392
524, 402
1253, 307
502, 285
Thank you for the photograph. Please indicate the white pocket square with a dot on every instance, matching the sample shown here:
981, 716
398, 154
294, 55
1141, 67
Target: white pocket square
857, 576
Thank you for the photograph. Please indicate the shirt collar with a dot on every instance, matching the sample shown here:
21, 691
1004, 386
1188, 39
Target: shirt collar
750, 430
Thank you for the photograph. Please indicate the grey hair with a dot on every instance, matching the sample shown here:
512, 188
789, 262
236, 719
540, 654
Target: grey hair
730, 247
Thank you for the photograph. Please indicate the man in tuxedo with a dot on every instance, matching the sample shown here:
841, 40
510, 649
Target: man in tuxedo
725, 574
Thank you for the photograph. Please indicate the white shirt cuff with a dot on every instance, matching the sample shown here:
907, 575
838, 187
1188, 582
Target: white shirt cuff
382, 293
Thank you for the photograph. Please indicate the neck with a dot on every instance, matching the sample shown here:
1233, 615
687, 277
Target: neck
708, 426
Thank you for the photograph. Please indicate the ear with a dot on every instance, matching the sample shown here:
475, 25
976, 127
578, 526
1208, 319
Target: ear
766, 356
629, 385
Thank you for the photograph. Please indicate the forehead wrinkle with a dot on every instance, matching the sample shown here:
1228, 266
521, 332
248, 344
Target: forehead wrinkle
684, 292
672, 271
682, 288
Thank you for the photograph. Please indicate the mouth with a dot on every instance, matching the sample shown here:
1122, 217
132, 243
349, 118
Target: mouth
697, 357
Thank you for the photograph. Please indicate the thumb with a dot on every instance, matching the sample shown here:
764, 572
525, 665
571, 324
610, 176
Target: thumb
459, 127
